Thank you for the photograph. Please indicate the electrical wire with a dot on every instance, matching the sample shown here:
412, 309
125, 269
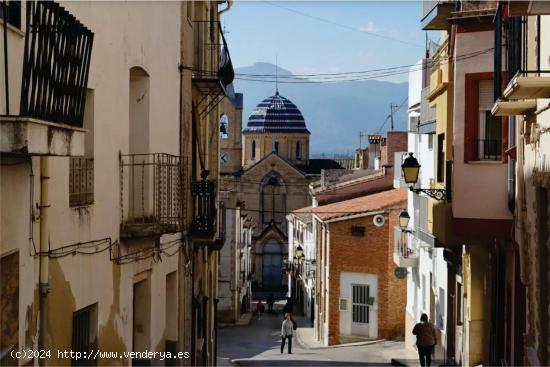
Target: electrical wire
344, 26
367, 75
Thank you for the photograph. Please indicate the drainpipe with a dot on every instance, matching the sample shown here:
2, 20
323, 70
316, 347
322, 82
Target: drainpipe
44, 286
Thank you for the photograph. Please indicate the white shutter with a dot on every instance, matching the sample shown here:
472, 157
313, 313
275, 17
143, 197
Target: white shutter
486, 95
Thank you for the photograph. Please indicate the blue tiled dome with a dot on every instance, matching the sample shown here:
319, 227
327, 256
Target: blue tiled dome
276, 114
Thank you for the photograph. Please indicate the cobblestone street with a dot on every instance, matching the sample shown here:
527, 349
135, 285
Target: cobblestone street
258, 344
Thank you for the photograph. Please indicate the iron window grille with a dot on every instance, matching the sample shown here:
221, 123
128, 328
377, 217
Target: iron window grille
56, 64
152, 193
81, 181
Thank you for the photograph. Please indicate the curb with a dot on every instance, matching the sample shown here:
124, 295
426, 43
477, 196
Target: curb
356, 344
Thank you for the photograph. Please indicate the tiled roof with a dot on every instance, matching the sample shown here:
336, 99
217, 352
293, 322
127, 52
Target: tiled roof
363, 204
276, 114
316, 165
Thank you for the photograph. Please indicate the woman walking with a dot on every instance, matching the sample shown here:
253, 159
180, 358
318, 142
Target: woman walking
287, 331
425, 340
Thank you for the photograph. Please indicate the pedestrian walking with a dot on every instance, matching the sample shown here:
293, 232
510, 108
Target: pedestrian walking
287, 332
270, 302
260, 308
425, 340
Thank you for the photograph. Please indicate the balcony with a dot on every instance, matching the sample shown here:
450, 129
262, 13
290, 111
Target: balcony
528, 85
208, 224
530, 7
427, 114
152, 189
435, 14
513, 108
213, 70
21, 135
50, 116
403, 256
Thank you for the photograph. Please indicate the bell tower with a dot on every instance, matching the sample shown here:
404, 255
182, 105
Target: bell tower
230, 122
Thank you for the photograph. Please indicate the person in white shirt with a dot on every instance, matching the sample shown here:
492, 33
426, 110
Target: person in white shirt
287, 331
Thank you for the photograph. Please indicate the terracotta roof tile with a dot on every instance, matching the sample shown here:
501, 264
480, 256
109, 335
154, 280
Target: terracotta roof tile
363, 204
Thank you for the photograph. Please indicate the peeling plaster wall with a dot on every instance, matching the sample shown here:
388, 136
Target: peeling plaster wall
126, 35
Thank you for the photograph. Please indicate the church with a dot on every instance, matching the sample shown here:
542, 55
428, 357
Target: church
265, 173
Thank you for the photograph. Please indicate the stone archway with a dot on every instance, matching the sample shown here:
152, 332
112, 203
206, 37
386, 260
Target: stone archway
272, 261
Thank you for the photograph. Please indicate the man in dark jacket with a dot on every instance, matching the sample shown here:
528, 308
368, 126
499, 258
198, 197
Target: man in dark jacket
425, 340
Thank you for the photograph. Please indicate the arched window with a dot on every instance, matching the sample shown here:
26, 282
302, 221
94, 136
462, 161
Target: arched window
253, 153
276, 146
224, 126
298, 151
273, 199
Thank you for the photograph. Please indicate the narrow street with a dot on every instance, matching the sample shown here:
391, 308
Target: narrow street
258, 344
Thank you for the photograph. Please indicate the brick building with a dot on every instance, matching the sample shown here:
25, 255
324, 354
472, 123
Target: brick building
357, 293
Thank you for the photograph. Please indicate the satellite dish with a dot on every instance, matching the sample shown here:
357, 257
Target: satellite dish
378, 220
400, 272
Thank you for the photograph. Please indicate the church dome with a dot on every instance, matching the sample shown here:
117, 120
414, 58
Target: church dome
276, 114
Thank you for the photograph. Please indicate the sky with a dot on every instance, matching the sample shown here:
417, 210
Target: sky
262, 31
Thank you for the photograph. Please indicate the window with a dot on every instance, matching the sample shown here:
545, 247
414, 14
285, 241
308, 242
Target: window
459, 308
253, 153
441, 309
358, 231
273, 199
298, 151
13, 13
424, 292
482, 131
431, 141
224, 126
84, 334
360, 304
81, 169
440, 158
9, 301
276, 147
489, 142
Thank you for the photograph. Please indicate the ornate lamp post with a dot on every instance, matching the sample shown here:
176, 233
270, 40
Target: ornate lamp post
411, 168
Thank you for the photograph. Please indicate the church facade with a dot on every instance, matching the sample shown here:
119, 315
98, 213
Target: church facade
270, 180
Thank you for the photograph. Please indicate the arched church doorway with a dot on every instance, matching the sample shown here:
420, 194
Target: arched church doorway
272, 261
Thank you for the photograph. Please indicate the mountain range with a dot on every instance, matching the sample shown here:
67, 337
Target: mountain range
335, 113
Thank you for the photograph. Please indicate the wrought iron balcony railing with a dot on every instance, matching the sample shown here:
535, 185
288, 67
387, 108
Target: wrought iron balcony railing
56, 64
208, 223
152, 194
212, 70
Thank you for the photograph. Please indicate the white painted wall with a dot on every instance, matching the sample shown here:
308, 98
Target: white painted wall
430, 259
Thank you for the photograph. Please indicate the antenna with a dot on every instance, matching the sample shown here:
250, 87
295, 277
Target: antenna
391, 114
276, 75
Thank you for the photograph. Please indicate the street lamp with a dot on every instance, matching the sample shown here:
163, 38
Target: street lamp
299, 252
404, 219
411, 168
